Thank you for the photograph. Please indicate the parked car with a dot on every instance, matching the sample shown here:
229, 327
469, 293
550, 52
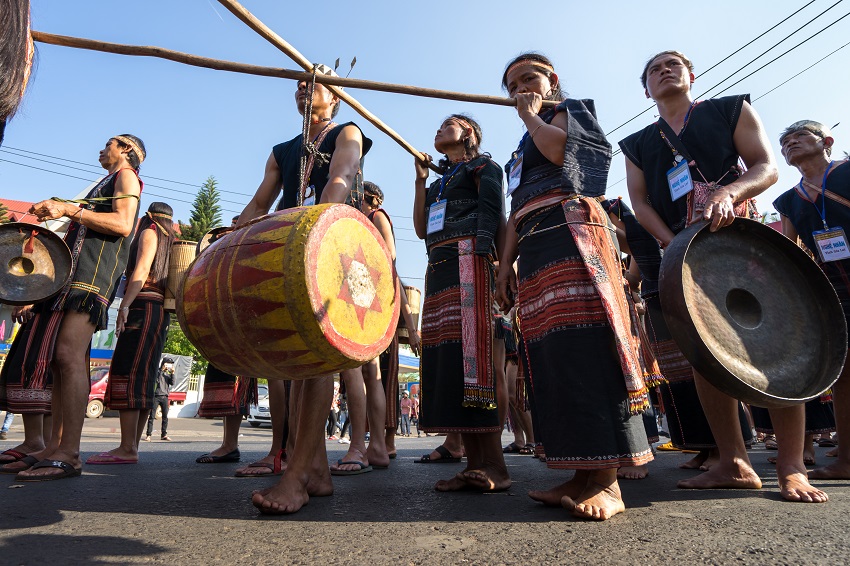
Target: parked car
99, 379
259, 414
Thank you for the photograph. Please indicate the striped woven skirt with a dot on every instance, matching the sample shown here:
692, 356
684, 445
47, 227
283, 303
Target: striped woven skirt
820, 418
580, 398
26, 382
135, 362
226, 395
388, 362
458, 391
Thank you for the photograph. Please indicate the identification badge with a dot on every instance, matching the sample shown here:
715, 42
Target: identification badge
309, 196
436, 216
515, 173
679, 180
832, 244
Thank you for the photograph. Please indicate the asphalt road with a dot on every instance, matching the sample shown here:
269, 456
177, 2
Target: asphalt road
168, 509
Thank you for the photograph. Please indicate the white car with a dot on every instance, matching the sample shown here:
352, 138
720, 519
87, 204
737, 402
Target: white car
259, 414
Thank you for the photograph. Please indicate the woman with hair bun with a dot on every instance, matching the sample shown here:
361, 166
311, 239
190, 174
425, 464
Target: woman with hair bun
141, 326
458, 216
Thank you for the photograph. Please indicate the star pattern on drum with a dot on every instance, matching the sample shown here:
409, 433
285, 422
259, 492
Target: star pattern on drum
359, 284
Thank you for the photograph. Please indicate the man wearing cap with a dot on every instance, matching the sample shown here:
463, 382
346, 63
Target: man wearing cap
164, 382
332, 160
817, 210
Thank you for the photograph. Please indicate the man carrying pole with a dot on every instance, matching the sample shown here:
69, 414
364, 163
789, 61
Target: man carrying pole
323, 166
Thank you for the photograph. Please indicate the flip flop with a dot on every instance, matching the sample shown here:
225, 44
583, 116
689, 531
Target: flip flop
364, 468
107, 458
14, 454
445, 457
30, 461
274, 469
226, 458
667, 447
68, 471
512, 448
527, 450
822, 442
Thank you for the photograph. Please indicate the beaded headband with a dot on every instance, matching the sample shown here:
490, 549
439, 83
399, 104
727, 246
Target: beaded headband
133, 145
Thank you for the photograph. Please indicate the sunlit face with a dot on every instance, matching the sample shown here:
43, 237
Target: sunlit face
527, 79
667, 73
323, 99
111, 154
450, 134
802, 144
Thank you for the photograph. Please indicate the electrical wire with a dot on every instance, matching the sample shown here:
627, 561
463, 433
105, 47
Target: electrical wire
636, 116
801, 72
98, 168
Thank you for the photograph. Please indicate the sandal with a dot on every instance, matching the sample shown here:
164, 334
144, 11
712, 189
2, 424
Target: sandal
827, 443
210, 459
527, 450
274, 469
68, 471
512, 448
770, 443
445, 457
30, 461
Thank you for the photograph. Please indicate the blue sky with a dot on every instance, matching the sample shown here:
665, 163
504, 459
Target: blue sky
198, 122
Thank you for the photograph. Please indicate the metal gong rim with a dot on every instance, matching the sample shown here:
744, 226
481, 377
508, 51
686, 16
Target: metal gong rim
753, 313
28, 277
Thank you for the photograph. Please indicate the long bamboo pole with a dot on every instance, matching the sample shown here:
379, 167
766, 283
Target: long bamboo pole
269, 35
248, 69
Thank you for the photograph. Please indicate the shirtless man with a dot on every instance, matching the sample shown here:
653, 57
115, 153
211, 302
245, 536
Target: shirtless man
335, 181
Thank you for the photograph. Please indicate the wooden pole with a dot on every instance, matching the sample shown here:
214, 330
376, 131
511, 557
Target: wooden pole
231, 66
269, 35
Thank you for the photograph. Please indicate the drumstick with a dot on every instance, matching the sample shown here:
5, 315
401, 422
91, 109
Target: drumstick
248, 69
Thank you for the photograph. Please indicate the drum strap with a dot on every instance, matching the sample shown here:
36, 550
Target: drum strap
837, 198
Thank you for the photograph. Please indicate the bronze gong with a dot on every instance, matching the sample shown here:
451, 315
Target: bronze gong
35, 264
753, 313
212, 236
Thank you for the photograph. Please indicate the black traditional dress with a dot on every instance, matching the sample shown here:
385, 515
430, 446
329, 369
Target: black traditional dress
583, 362
98, 263
708, 138
135, 362
458, 377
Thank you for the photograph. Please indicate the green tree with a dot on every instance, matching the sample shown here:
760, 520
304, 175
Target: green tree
177, 343
206, 212
4, 213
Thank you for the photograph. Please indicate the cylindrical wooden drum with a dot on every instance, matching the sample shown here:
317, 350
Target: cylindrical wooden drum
414, 299
299, 293
183, 253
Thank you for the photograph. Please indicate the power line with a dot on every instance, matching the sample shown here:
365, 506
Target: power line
636, 116
801, 72
146, 192
97, 168
86, 171
785, 53
763, 53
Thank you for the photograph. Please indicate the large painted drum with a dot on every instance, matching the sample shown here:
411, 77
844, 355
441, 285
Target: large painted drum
299, 293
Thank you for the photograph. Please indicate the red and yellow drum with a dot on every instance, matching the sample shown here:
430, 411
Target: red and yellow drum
296, 294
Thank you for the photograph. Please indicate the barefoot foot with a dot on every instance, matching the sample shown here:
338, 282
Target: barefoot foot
552, 497
598, 502
695, 462
795, 486
733, 475
837, 471
487, 479
633, 473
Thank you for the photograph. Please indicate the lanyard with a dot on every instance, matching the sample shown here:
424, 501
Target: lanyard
678, 154
447, 177
822, 209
